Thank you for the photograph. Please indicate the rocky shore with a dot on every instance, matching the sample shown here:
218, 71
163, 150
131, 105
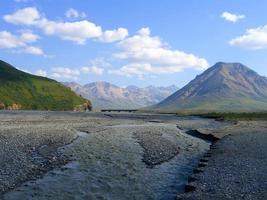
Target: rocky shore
64, 155
234, 167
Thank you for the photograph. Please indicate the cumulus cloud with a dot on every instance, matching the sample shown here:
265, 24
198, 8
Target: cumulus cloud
73, 14
100, 62
75, 73
65, 72
142, 69
33, 50
144, 31
149, 55
78, 31
114, 35
20, 43
25, 16
92, 70
252, 39
29, 37
41, 72
8, 40
232, 17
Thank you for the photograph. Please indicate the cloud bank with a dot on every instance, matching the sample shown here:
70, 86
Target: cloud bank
147, 54
77, 31
253, 39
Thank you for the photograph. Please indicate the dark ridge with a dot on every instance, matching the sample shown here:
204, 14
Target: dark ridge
207, 137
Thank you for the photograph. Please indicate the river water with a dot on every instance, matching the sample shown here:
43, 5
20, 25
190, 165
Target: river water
108, 165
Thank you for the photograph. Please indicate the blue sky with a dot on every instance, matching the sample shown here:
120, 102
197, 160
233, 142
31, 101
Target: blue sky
137, 42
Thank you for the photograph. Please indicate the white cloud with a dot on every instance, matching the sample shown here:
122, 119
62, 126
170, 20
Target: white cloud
29, 37
74, 74
33, 50
232, 17
25, 16
114, 35
67, 73
78, 31
100, 62
8, 40
20, 43
142, 69
92, 70
252, 39
41, 72
149, 55
144, 31
72, 14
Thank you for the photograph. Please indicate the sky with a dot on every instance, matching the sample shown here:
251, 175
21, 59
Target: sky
138, 42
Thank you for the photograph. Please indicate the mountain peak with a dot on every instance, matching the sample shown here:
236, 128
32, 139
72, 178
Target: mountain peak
106, 95
224, 86
231, 66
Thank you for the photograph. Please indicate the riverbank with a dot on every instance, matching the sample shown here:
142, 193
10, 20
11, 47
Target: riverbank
113, 156
234, 167
118, 156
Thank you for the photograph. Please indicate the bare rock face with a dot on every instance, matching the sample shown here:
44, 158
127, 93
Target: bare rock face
224, 86
105, 95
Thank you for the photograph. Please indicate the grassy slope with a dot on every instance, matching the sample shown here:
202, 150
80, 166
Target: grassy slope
236, 116
34, 92
218, 104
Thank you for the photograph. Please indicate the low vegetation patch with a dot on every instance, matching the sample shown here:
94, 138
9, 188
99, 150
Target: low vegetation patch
235, 116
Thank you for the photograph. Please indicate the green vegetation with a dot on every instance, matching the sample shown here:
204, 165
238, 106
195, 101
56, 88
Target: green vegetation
34, 92
236, 116
228, 115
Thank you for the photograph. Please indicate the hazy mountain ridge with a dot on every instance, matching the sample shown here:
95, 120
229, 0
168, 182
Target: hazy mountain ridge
224, 86
109, 96
34, 92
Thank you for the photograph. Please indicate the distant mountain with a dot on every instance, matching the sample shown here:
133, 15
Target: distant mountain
106, 95
20, 89
223, 87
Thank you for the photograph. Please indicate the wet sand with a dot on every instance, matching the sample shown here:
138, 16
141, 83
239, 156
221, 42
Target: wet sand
65, 155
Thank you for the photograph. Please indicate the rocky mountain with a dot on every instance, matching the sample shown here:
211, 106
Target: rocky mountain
222, 87
20, 90
108, 96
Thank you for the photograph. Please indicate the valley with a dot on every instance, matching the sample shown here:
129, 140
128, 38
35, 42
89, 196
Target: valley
133, 100
105, 95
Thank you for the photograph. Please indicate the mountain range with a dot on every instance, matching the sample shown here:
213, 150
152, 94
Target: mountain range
20, 90
222, 87
105, 95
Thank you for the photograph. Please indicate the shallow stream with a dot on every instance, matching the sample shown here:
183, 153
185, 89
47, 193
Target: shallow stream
108, 165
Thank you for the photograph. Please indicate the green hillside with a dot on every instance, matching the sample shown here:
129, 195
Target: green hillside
34, 92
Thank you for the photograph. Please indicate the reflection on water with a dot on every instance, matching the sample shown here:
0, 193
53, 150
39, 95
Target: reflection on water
108, 165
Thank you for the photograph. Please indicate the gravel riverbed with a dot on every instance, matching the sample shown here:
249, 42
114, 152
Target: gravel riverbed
66, 155
235, 167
